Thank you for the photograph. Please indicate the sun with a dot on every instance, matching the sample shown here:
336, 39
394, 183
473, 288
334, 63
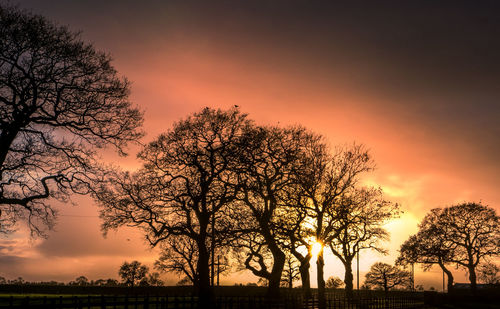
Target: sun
316, 248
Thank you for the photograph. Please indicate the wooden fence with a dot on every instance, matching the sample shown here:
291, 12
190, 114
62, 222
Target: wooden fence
188, 302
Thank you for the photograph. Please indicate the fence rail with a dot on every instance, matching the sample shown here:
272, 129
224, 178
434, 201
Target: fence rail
189, 302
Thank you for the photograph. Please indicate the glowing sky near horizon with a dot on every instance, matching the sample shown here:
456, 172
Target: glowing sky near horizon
417, 84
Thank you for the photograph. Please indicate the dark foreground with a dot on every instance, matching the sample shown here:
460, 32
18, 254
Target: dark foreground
229, 298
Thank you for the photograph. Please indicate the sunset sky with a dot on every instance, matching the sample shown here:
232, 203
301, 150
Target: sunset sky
418, 84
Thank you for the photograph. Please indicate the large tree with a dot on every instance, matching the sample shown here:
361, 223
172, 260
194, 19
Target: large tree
361, 215
472, 231
183, 187
264, 173
60, 100
428, 247
324, 181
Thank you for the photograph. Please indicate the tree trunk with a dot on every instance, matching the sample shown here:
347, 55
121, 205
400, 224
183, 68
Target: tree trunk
304, 276
472, 277
204, 274
320, 263
203, 266
273, 291
348, 279
449, 275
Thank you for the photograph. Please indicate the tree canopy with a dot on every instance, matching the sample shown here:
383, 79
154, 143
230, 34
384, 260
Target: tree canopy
60, 100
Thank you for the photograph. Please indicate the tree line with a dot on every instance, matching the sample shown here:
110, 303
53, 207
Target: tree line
217, 183
131, 274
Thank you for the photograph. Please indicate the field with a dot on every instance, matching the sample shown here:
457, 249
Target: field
231, 297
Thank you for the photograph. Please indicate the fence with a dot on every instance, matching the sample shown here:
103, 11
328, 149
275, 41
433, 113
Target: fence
188, 302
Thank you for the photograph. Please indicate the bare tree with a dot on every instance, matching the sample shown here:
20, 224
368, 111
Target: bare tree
385, 276
60, 99
428, 247
361, 215
264, 173
179, 255
132, 273
291, 272
323, 185
472, 231
183, 187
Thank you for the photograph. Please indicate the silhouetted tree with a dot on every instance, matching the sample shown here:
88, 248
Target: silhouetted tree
334, 283
60, 100
472, 231
428, 247
324, 182
263, 173
488, 273
80, 281
179, 255
291, 272
133, 273
294, 223
385, 276
182, 187
361, 214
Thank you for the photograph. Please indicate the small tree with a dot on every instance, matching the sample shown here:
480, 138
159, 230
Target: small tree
154, 279
132, 273
291, 272
385, 276
80, 281
488, 273
334, 283
428, 247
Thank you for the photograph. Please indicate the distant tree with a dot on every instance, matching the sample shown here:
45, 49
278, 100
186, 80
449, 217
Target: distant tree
60, 100
263, 282
17, 281
291, 272
182, 187
385, 276
428, 247
111, 282
488, 273
472, 231
184, 281
154, 279
2, 280
80, 281
180, 256
132, 273
334, 283
360, 215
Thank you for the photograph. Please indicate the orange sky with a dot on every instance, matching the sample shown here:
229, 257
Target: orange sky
431, 127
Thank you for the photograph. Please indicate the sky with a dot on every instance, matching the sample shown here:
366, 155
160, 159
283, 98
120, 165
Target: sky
414, 81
